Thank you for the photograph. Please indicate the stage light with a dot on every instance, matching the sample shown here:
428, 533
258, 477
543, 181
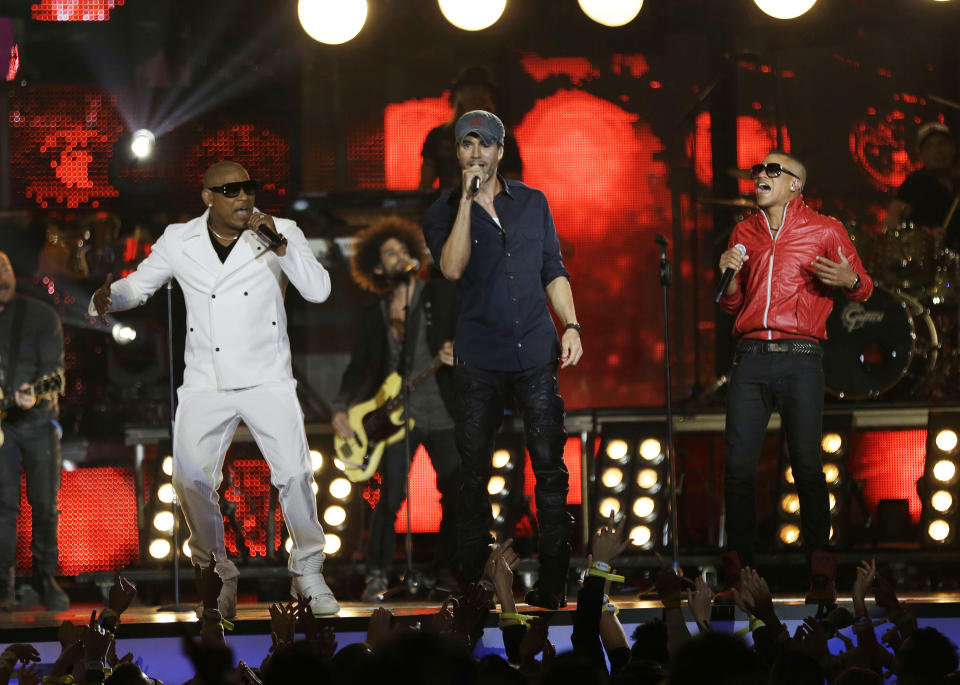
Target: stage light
333, 22
167, 465
938, 530
617, 450
496, 486
612, 477
315, 487
610, 506
337, 464
946, 440
495, 509
500, 459
187, 552
944, 470
643, 507
472, 15
141, 143
123, 334
790, 503
941, 500
340, 488
335, 515
163, 521
288, 544
785, 9
611, 12
831, 443
640, 536
831, 472
788, 475
832, 500
789, 534
332, 544
316, 459
166, 493
651, 449
647, 478
160, 548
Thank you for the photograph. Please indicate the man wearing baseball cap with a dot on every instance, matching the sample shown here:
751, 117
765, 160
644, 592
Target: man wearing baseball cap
927, 195
496, 236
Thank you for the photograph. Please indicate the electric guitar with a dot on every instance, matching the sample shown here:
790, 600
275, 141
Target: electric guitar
45, 386
376, 423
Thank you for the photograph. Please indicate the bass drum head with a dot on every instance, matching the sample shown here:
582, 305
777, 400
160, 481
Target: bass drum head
869, 345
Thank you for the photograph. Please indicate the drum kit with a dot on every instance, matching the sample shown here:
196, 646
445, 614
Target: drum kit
904, 342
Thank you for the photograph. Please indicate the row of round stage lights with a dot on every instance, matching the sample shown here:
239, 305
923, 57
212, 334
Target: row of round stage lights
944, 472
337, 21
789, 533
644, 506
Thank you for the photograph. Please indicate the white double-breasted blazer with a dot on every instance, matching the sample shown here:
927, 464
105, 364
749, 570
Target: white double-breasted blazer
236, 333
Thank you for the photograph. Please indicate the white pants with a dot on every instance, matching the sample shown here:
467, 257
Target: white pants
205, 424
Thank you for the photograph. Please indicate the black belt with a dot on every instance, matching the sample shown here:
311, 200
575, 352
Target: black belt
753, 346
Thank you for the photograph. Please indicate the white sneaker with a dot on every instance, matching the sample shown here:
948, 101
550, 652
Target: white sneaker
312, 585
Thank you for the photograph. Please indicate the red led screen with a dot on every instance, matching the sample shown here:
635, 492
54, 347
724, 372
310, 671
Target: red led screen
73, 10
98, 521
889, 463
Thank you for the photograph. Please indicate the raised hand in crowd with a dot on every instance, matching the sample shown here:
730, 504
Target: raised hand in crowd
283, 625
609, 541
498, 571
212, 662
121, 594
441, 622
208, 583
699, 600
70, 656
811, 637
29, 675
247, 675
307, 623
14, 654
536, 641
760, 603
470, 611
380, 629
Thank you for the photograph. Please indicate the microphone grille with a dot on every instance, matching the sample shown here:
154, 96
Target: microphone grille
741, 249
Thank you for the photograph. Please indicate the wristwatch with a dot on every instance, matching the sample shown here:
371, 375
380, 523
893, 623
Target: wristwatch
574, 326
856, 283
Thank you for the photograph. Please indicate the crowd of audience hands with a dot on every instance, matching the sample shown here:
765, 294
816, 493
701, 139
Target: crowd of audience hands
440, 649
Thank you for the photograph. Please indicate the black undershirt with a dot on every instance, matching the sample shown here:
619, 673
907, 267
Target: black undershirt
223, 251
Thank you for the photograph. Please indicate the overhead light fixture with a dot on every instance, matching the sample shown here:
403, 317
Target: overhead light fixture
651, 449
316, 460
160, 548
472, 15
611, 12
785, 9
141, 143
501, 458
617, 450
333, 22
946, 440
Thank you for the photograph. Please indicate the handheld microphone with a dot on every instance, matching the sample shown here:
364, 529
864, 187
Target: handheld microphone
412, 266
475, 185
270, 239
728, 275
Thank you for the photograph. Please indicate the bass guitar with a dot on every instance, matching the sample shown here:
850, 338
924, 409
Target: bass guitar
376, 423
45, 386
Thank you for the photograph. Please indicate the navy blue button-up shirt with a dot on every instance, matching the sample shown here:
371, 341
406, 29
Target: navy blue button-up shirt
504, 322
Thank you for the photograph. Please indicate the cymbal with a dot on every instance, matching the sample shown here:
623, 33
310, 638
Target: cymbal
728, 201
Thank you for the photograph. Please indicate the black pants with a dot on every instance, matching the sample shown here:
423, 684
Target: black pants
37, 448
792, 384
442, 448
479, 415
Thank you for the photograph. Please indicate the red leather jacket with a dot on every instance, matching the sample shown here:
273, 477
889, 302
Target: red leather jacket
780, 295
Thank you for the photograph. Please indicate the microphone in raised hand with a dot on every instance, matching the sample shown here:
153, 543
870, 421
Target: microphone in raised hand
728, 274
475, 185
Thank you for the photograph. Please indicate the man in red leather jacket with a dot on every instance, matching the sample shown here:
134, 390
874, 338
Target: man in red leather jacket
782, 294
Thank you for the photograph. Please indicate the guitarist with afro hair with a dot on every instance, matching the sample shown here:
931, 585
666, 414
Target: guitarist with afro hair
409, 328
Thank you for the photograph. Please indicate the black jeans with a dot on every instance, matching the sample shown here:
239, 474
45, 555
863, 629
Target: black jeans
37, 448
792, 384
442, 448
479, 416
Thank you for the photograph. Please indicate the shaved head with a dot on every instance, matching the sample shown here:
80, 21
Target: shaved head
790, 163
218, 173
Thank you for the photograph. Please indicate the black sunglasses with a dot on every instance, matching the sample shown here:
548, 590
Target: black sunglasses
233, 189
773, 170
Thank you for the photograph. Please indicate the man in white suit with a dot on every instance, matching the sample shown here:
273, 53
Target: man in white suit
237, 367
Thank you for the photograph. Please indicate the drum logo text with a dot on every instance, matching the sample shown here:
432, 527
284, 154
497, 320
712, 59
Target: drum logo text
855, 317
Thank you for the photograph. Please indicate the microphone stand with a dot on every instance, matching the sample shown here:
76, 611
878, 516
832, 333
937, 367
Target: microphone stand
176, 606
671, 452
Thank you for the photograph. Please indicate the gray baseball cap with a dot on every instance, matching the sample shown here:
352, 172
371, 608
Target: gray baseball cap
485, 124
